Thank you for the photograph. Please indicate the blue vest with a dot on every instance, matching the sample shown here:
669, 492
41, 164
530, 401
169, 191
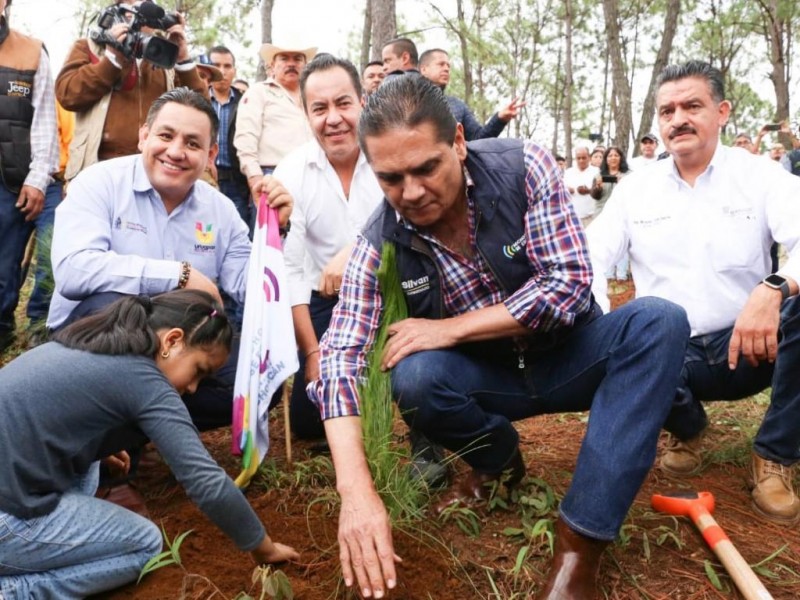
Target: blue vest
497, 169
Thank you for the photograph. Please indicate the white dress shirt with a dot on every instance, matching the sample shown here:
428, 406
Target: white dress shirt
113, 234
704, 247
574, 178
324, 220
640, 161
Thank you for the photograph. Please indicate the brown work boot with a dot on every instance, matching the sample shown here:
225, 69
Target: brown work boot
682, 458
773, 493
576, 563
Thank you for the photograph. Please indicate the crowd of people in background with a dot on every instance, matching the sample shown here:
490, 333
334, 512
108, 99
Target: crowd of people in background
140, 185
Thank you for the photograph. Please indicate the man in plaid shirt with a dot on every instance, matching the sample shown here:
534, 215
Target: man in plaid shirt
502, 326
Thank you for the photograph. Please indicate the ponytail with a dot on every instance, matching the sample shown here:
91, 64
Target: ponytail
129, 325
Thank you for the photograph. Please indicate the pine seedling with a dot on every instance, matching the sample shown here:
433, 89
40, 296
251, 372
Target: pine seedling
388, 463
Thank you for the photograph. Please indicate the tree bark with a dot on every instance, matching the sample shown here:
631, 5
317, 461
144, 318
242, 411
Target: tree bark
463, 39
621, 88
266, 35
366, 35
662, 59
384, 25
778, 31
568, 80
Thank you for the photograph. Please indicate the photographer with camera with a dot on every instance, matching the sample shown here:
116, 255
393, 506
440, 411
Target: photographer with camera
135, 53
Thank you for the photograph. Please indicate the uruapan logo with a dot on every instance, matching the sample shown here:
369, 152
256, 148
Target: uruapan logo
415, 286
511, 251
19, 89
202, 236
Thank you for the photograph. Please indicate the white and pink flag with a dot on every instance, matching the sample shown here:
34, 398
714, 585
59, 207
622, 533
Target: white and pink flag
267, 354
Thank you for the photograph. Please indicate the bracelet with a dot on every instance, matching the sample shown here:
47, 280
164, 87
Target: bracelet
186, 270
312, 352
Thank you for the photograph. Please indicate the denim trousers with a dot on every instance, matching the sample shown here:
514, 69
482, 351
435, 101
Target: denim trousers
85, 546
305, 419
14, 235
624, 366
706, 376
43, 285
240, 196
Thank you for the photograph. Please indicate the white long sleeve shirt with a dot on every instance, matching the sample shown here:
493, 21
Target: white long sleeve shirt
44, 138
324, 220
584, 204
704, 247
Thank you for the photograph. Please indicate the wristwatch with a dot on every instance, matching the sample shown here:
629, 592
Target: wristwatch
777, 282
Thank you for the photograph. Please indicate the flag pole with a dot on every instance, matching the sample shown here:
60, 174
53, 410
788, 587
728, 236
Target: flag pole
287, 422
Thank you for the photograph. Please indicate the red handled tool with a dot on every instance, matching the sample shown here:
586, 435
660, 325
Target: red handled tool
698, 507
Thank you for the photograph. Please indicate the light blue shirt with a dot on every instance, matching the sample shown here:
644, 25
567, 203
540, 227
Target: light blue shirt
113, 234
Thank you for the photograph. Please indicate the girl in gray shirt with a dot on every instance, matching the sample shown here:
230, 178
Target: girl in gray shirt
108, 382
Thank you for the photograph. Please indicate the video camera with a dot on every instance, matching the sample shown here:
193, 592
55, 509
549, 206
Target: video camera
152, 48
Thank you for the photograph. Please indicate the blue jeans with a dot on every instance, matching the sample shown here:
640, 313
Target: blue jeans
237, 191
706, 376
305, 419
14, 235
624, 366
43, 285
234, 188
85, 546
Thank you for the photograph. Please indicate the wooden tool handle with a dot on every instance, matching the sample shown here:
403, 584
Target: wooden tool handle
741, 573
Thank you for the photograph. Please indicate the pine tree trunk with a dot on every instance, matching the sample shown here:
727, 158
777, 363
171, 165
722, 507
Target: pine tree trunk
384, 25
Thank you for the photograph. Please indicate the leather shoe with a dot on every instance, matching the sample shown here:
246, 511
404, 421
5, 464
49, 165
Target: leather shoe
773, 491
476, 487
576, 563
124, 495
683, 458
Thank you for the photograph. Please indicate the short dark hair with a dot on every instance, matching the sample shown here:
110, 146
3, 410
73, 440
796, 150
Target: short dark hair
406, 102
325, 62
427, 56
695, 68
221, 50
400, 45
560, 158
185, 97
372, 63
131, 324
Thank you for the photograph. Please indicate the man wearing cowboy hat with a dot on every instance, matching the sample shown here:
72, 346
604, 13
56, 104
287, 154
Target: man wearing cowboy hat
270, 121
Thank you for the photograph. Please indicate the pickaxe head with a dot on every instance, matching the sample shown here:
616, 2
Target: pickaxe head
683, 503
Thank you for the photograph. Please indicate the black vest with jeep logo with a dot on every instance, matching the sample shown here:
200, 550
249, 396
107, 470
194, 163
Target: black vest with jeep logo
501, 202
19, 60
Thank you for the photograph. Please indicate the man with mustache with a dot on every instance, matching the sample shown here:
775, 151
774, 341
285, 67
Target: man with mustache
702, 239
270, 121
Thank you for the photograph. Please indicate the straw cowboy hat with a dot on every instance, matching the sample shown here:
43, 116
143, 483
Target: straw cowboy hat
268, 52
